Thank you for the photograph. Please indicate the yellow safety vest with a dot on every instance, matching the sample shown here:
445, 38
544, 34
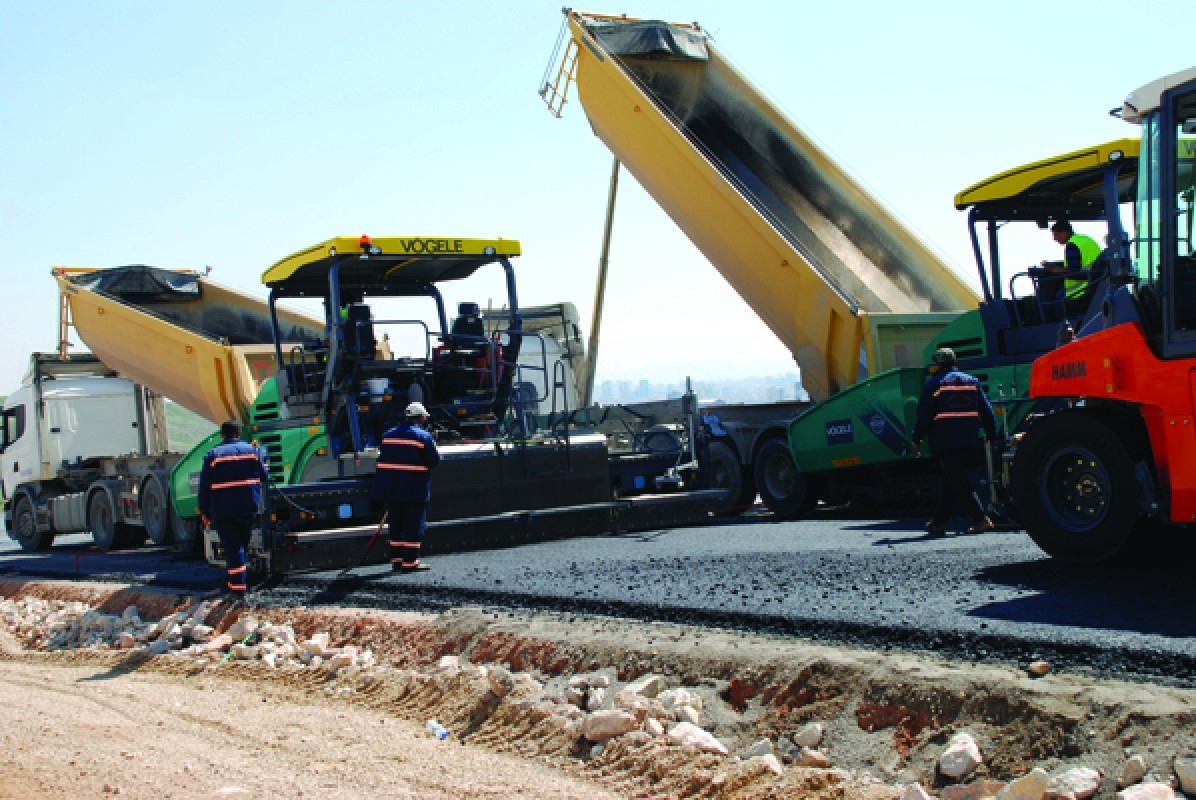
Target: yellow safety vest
1089, 252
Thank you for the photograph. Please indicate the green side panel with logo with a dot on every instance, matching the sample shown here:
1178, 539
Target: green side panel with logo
288, 451
872, 422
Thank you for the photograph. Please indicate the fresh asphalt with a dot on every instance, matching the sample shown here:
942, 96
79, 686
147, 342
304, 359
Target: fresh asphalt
874, 583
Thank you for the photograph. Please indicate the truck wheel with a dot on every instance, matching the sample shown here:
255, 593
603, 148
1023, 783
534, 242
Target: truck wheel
1074, 489
155, 511
785, 491
101, 518
186, 533
727, 473
24, 526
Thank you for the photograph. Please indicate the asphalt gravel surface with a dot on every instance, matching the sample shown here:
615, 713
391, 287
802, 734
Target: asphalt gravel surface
873, 583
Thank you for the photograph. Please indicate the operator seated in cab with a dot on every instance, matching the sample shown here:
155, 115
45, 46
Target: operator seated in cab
1076, 271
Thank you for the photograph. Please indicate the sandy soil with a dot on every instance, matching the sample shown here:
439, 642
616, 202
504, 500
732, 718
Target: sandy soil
91, 731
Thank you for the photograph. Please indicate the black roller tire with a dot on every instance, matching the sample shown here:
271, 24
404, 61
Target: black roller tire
1074, 489
156, 511
726, 472
786, 492
24, 526
101, 518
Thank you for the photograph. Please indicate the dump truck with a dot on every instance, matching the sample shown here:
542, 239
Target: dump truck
84, 449
857, 298
1107, 464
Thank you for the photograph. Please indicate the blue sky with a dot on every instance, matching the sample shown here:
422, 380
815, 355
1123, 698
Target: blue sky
232, 134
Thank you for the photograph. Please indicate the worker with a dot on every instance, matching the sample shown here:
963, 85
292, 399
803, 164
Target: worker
230, 496
1079, 253
952, 411
404, 480
383, 353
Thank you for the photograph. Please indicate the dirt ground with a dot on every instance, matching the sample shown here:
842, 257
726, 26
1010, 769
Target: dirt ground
99, 723
87, 731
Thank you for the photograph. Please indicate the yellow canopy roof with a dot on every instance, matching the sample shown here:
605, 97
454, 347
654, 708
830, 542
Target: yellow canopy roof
388, 261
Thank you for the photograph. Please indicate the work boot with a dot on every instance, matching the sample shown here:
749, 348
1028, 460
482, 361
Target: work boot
983, 525
418, 566
935, 529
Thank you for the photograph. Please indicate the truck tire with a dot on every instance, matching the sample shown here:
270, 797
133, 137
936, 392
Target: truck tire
156, 511
1074, 489
101, 518
24, 526
786, 492
186, 534
727, 473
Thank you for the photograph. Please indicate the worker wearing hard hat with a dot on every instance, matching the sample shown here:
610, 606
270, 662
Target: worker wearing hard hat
952, 412
1079, 253
406, 458
230, 497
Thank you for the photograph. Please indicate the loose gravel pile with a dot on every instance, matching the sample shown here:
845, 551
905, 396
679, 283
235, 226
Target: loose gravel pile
651, 714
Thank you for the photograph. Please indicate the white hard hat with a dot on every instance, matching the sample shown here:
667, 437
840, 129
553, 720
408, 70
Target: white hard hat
417, 410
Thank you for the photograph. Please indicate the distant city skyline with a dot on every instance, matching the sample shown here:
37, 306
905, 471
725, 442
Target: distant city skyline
747, 389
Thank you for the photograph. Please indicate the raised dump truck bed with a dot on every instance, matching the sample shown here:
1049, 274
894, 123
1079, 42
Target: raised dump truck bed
205, 346
808, 248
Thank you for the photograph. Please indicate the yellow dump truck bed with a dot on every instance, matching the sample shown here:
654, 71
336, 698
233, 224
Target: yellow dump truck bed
808, 248
205, 346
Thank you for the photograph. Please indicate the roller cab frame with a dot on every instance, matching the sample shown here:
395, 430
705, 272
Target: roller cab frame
1109, 465
856, 446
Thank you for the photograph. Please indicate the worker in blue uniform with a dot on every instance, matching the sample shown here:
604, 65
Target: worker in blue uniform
406, 458
952, 412
230, 497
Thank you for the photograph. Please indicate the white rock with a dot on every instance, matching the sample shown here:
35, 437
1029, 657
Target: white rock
810, 735
1079, 782
243, 627
201, 633
809, 757
654, 726
1147, 791
599, 681
1038, 668
671, 698
596, 699
449, 662
914, 791
687, 733
1031, 786
130, 612
1132, 771
345, 658
501, 681
647, 685
160, 647
244, 652
760, 748
769, 761
687, 714
602, 726
1185, 769
270, 660
217, 643
319, 641
126, 641
961, 757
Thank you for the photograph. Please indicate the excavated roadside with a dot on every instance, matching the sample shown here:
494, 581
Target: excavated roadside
879, 721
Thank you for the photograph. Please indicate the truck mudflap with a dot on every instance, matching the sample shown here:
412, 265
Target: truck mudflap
346, 547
